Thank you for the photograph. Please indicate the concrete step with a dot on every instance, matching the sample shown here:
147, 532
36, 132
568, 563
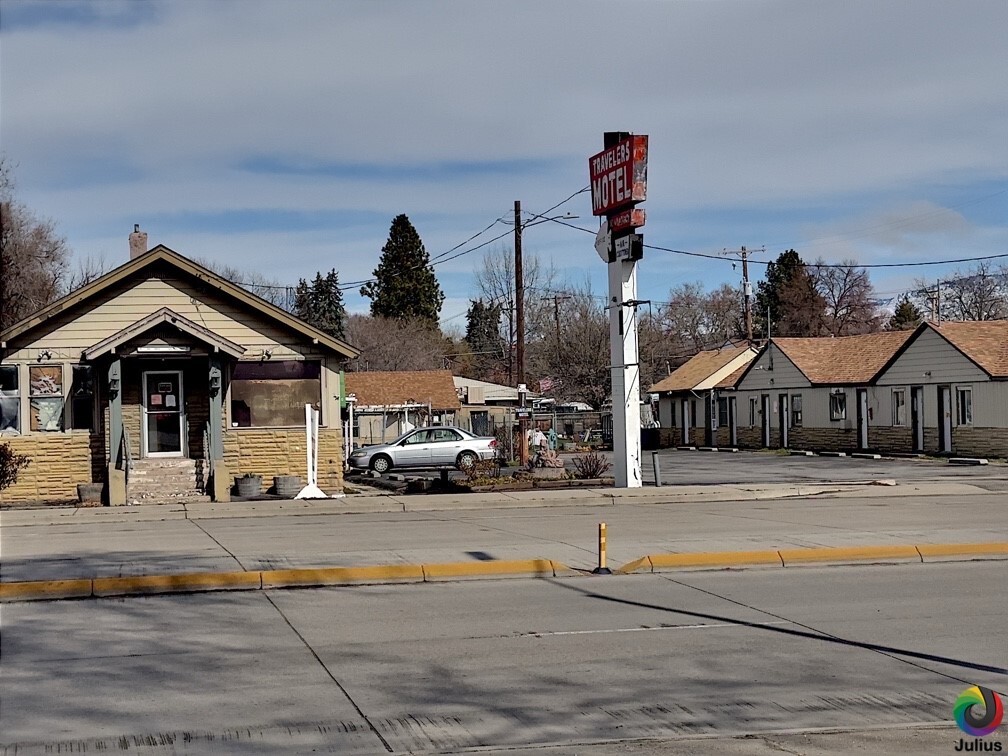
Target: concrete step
166, 479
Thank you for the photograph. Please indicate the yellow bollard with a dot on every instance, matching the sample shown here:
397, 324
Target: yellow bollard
602, 569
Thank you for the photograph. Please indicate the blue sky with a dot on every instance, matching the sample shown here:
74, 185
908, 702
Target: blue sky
283, 138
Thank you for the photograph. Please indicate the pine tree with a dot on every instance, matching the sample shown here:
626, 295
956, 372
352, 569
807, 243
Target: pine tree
790, 295
404, 286
483, 337
906, 317
320, 303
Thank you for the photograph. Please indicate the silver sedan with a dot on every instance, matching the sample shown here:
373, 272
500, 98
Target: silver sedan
436, 446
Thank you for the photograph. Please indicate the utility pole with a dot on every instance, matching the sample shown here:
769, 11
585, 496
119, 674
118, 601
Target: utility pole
520, 330
747, 294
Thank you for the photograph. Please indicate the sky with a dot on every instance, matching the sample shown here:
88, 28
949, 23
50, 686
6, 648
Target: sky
283, 137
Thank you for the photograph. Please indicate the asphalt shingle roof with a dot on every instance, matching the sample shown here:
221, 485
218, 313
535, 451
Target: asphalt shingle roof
842, 359
697, 369
983, 341
395, 388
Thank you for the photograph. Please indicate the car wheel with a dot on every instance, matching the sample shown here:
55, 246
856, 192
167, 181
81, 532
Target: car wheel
466, 460
381, 464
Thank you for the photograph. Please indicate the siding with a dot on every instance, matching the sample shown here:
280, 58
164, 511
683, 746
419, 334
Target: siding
785, 375
931, 353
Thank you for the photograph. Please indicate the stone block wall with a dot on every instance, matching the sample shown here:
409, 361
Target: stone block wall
819, 439
282, 451
980, 442
59, 461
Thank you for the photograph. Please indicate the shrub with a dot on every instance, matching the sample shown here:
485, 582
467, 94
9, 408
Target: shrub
483, 469
10, 465
590, 465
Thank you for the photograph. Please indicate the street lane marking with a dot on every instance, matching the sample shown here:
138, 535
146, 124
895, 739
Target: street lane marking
698, 626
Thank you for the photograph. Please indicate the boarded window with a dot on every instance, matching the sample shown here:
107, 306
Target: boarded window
46, 394
10, 398
274, 394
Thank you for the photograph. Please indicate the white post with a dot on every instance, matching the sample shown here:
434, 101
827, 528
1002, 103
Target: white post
308, 444
625, 371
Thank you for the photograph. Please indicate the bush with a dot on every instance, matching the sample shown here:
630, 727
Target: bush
10, 465
590, 465
483, 469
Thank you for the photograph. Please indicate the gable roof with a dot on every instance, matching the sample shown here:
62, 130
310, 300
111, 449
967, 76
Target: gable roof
699, 369
842, 359
982, 342
161, 256
398, 388
164, 315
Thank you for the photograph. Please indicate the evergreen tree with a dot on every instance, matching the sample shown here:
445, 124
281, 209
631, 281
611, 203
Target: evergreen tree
320, 303
906, 317
405, 285
484, 339
790, 295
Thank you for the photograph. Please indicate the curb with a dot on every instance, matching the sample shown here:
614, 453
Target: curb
924, 553
200, 582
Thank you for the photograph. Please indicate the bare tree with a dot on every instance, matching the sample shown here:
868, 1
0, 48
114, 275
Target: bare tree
848, 295
978, 294
582, 364
88, 269
395, 344
694, 319
269, 289
33, 256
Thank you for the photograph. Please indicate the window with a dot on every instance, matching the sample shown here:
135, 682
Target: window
964, 406
837, 405
10, 398
693, 412
45, 383
445, 434
899, 407
671, 413
796, 410
82, 407
420, 437
274, 394
722, 411
753, 411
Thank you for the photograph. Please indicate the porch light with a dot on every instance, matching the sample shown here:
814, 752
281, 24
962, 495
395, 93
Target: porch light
215, 382
113, 385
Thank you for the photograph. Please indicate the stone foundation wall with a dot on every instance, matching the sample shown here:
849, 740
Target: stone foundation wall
750, 438
891, 440
282, 452
59, 461
980, 442
821, 439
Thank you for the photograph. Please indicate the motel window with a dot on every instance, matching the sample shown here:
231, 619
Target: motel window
45, 383
10, 398
796, 411
274, 394
837, 405
753, 412
964, 406
82, 405
899, 407
722, 411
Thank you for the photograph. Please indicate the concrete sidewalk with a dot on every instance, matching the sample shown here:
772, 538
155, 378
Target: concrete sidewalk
373, 538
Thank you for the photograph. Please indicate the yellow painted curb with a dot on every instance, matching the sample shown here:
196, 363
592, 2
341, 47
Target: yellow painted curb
644, 563
533, 567
713, 559
196, 581
340, 575
842, 554
45, 589
961, 549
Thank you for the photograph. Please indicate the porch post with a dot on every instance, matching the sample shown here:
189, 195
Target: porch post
117, 460
220, 482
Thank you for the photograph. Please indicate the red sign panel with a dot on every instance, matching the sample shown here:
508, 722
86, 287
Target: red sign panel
619, 175
623, 219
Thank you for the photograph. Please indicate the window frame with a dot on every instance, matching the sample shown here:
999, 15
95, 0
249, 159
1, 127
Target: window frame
50, 398
796, 410
722, 411
837, 405
318, 401
753, 411
964, 419
92, 414
14, 394
899, 406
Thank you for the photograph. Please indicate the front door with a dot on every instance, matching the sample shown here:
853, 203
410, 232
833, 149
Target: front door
732, 422
782, 410
163, 418
685, 422
945, 418
765, 400
917, 417
862, 418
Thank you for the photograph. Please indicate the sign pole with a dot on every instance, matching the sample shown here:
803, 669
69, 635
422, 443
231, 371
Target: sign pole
625, 371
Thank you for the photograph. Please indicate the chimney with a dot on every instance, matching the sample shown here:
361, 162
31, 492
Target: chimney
137, 242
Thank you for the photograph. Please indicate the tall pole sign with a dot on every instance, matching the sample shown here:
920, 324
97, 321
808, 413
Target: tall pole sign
618, 184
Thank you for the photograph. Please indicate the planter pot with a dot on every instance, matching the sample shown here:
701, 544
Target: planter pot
251, 486
90, 494
287, 486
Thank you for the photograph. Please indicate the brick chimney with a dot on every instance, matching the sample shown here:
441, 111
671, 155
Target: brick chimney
138, 242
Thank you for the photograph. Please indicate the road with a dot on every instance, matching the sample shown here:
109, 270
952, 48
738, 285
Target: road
684, 663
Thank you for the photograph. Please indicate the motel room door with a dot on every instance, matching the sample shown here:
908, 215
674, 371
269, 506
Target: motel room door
163, 428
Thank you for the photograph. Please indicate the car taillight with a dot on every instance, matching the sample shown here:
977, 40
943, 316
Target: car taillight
493, 444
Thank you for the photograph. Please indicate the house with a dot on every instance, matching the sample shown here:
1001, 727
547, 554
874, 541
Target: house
160, 364
945, 390
486, 406
386, 404
815, 393
696, 405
